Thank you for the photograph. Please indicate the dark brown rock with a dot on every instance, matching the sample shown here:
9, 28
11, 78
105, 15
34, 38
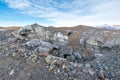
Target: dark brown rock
43, 54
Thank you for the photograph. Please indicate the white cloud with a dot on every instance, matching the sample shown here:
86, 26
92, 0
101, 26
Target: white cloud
18, 4
71, 12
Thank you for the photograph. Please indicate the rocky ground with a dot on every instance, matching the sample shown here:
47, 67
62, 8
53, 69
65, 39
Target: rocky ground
36, 52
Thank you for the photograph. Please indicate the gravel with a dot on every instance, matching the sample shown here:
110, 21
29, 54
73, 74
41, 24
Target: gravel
18, 62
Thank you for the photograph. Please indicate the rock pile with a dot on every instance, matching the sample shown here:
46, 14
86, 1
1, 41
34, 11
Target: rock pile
36, 52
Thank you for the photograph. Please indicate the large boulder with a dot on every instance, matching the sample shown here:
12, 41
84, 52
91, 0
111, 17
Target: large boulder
65, 51
31, 31
40, 46
40, 32
97, 40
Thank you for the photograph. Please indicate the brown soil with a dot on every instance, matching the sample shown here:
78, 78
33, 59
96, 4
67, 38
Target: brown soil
10, 28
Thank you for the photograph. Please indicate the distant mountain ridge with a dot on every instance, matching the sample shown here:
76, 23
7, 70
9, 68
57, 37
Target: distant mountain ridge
109, 27
104, 26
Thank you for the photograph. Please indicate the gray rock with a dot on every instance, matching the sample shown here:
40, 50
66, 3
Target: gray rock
60, 37
71, 58
40, 32
75, 65
85, 70
96, 41
59, 43
69, 73
87, 65
77, 55
31, 31
56, 47
11, 72
98, 55
16, 35
80, 65
71, 67
33, 43
65, 51
2, 35
74, 71
39, 45
11, 39
86, 57
24, 31
91, 72
40, 49
44, 47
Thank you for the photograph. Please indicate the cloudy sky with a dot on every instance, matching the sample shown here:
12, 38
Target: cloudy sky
59, 12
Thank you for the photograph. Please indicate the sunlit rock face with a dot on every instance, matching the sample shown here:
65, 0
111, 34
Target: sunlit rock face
40, 32
97, 40
58, 36
31, 31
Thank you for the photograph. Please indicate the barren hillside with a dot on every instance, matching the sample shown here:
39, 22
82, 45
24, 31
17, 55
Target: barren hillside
35, 52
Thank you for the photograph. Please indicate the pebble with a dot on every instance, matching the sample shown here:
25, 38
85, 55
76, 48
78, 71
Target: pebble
58, 70
74, 71
112, 74
71, 67
34, 58
85, 70
66, 75
21, 50
71, 63
78, 55
80, 65
11, 72
101, 75
64, 66
13, 45
87, 65
14, 54
71, 58
69, 73
52, 67
91, 72
98, 55
67, 69
106, 68
75, 65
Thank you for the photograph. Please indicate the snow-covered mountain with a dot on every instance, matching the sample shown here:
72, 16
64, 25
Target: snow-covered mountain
109, 27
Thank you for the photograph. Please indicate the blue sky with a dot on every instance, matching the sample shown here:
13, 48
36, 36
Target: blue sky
59, 12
